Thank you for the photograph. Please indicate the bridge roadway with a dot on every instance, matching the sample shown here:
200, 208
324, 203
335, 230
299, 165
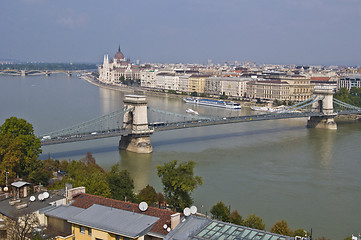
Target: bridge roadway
187, 124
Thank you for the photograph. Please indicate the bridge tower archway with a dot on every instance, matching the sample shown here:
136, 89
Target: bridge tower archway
323, 105
136, 120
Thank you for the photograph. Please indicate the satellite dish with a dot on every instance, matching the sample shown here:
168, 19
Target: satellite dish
46, 195
165, 226
6, 189
32, 199
168, 229
193, 210
41, 197
143, 206
187, 212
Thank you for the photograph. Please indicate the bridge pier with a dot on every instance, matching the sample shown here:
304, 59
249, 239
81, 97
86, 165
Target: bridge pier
325, 106
322, 122
136, 120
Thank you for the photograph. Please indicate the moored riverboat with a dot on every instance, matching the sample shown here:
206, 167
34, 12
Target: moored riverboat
213, 103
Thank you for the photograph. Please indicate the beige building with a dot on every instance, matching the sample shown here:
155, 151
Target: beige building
197, 83
294, 88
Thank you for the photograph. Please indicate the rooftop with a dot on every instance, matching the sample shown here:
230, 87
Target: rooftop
114, 220
195, 227
87, 200
13, 211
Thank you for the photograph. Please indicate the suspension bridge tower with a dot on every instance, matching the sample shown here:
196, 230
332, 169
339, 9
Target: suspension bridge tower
323, 105
136, 120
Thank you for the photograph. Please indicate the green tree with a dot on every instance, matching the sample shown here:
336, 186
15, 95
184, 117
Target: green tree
92, 177
301, 233
178, 183
121, 184
236, 218
148, 194
281, 227
253, 221
220, 212
19, 149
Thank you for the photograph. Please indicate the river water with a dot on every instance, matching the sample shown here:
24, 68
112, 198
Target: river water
276, 169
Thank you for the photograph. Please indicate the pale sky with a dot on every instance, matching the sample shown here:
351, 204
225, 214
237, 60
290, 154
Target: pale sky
316, 32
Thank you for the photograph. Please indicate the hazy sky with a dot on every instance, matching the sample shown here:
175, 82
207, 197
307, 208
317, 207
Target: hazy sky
188, 31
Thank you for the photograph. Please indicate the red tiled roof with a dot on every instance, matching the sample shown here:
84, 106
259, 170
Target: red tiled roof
86, 200
320, 78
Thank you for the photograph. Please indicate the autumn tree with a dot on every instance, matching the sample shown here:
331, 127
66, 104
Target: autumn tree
236, 218
178, 183
22, 227
220, 212
148, 194
121, 184
253, 221
281, 227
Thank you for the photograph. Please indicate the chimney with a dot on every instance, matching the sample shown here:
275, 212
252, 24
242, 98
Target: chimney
174, 220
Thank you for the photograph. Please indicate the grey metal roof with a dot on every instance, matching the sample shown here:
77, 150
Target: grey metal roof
117, 221
197, 228
19, 184
64, 212
11, 211
188, 227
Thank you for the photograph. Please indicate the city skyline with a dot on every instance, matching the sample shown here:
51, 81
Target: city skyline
317, 32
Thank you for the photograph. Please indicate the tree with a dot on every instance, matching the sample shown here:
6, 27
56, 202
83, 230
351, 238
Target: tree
253, 221
148, 194
92, 177
120, 183
281, 227
220, 211
301, 233
236, 218
19, 149
22, 227
178, 183
160, 199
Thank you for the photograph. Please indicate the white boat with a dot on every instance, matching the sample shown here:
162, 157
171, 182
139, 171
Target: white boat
213, 103
191, 111
267, 109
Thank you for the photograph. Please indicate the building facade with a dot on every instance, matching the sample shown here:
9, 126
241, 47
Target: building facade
349, 82
112, 71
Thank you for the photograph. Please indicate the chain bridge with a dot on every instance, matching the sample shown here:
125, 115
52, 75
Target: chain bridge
136, 121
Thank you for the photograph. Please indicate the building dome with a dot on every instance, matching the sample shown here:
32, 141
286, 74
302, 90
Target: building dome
119, 55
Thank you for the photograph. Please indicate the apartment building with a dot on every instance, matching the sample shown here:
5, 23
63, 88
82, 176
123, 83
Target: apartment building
230, 86
349, 82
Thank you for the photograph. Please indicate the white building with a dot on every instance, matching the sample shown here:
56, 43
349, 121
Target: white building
230, 86
111, 72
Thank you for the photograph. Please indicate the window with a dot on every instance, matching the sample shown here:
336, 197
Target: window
89, 231
82, 229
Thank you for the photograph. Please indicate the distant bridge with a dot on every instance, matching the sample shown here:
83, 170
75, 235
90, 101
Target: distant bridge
136, 122
16, 72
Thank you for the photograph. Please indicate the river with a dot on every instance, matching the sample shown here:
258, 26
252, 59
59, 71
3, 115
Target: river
276, 169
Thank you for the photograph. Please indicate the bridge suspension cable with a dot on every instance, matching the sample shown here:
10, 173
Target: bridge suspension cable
300, 105
346, 105
76, 128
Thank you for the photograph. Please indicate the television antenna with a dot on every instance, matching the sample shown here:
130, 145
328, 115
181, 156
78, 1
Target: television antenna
193, 210
41, 197
187, 212
143, 206
46, 195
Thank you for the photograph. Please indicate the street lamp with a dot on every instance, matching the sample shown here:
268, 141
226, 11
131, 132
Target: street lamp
6, 186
